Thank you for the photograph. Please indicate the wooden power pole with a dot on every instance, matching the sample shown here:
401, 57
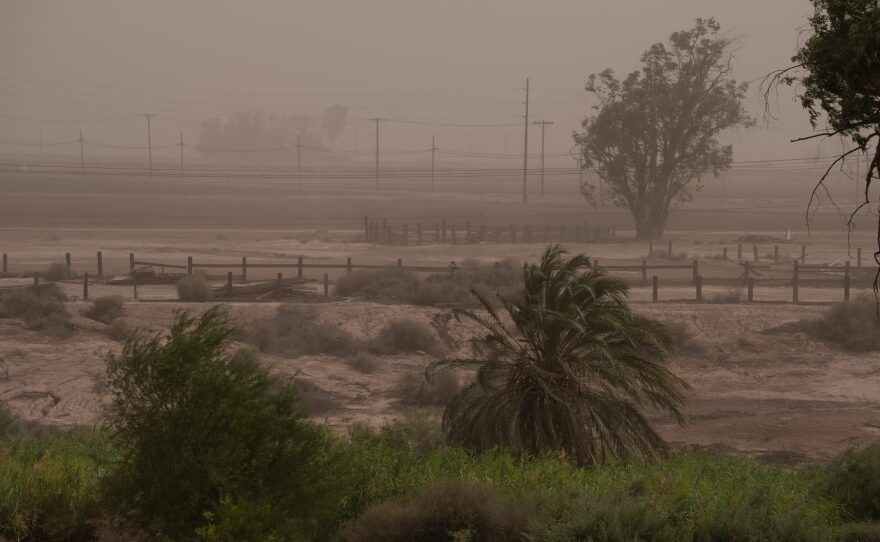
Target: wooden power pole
299, 147
543, 124
149, 142
525, 193
181, 155
433, 148
82, 155
376, 119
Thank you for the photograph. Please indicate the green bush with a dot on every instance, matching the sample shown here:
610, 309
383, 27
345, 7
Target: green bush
406, 335
195, 287
106, 308
851, 325
448, 510
49, 486
204, 432
853, 480
42, 312
296, 331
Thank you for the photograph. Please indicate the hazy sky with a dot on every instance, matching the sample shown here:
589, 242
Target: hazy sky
263, 53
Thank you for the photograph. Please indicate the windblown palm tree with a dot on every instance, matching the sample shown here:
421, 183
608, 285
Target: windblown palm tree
570, 367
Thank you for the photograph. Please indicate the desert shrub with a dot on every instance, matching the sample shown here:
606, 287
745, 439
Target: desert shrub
363, 362
194, 287
414, 388
406, 335
859, 532
296, 331
851, 325
201, 429
681, 334
10, 425
120, 329
42, 311
106, 308
445, 511
853, 480
50, 486
57, 271
382, 284
316, 401
731, 295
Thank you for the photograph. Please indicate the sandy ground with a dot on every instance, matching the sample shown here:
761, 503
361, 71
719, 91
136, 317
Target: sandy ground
774, 394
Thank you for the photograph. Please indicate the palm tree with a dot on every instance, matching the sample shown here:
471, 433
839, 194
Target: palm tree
569, 367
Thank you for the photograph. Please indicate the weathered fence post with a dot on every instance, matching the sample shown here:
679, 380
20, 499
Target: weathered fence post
846, 281
696, 270
803, 254
724, 252
278, 281
134, 285
795, 281
747, 273
751, 289
399, 262
858, 257
669, 251
348, 265
326, 285
100, 265
229, 282
698, 284
131, 262
36, 281
755, 255
655, 281
67, 262
244, 269
299, 266
86, 286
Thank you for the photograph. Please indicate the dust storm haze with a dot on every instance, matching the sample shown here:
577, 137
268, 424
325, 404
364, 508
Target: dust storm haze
339, 180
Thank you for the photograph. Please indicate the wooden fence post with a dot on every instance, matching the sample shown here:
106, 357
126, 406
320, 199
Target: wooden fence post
696, 270
724, 252
86, 286
747, 273
299, 266
846, 281
134, 286
131, 262
326, 285
803, 254
399, 262
100, 265
858, 257
278, 281
189, 265
699, 286
751, 289
654, 293
776, 254
795, 281
755, 253
739, 253
67, 262
348, 265
5, 261
36, 281
244, 269
229, 282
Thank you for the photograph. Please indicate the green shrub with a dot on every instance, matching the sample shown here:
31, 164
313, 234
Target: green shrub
42, 312
853, 480
406, 335
106, 308
296, 331
194, 287
49, 486
57, 271
859, 532
851, 325
202, 430
448, 510
414, 388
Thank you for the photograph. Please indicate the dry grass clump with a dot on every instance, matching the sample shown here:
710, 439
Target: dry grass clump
382, 284
106, 308
120, 329
731, 295
296, 331
403, 335
316, 401
195, 287
682, 336
57, 271
852, 325
417, 390
448, 510
42, 312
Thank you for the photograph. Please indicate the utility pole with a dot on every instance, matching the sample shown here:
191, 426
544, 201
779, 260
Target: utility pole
181, 155
299, 161
433, 148
82, 155
525, 194
544, 124
376, 119
149, 142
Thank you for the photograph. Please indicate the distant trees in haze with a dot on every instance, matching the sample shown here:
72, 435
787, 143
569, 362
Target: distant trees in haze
254, 131
655, 132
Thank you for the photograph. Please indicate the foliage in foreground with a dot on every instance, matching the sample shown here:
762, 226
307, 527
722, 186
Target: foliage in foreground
572, 374
204, 435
